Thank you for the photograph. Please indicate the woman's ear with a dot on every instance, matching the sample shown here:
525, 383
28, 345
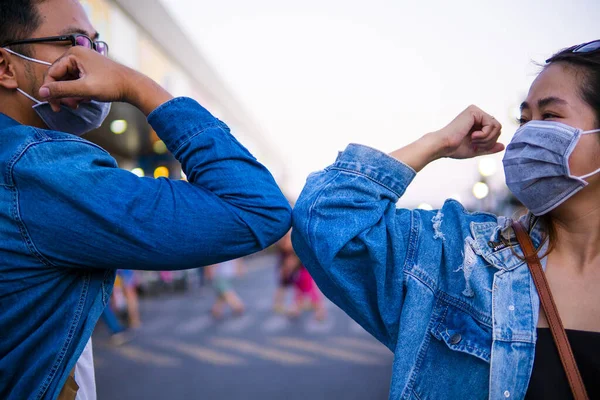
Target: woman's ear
8, 76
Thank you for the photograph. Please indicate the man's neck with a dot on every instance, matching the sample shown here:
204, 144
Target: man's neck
21, 114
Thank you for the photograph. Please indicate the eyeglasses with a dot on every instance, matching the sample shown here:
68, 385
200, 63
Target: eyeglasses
587, 47
75, 39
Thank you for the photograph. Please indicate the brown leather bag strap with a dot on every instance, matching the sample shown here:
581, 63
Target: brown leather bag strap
70, 389
547, 301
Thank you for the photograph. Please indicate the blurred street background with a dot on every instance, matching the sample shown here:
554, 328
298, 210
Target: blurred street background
182, 352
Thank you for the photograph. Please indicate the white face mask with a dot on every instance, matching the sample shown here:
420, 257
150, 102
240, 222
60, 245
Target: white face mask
86, 118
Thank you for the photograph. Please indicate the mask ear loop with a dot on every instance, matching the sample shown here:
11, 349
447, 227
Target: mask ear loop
27, 58
590, 174
36, 101
598, 170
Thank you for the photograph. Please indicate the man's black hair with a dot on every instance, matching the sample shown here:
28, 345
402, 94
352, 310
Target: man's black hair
18, 20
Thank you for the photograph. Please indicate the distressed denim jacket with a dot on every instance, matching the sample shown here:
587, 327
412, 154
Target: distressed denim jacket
69, 218
443, 290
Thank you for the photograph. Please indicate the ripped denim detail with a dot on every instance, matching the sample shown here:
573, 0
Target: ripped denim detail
469, 261
437, 226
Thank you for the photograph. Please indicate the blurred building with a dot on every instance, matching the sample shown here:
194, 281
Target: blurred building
142, 35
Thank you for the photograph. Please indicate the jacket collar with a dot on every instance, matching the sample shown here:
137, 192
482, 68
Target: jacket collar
497, 243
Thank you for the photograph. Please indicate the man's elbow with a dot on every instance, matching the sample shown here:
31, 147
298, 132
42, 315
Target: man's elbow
282, 223
276, 224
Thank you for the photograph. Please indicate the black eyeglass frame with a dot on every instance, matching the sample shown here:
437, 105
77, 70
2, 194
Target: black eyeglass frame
62, 38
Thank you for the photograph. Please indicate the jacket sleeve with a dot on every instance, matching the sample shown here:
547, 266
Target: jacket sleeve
354, 241
77, 209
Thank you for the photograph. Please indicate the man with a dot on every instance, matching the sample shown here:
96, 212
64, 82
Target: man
69, 218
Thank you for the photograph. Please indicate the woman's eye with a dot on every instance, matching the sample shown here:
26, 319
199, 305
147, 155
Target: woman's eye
522, 121
549, 116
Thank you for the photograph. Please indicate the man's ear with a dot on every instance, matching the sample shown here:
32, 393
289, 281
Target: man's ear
8, 76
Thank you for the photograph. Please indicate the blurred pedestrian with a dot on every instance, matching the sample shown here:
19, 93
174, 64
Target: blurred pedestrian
131, 297
306, 292
118, 334
285, 278
456, 295
223, 275
69, 217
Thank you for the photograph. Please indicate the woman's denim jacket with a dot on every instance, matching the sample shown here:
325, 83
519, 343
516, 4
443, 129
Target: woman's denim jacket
444, 290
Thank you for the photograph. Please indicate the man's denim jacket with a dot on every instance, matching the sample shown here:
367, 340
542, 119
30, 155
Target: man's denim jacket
69, 218
445, 290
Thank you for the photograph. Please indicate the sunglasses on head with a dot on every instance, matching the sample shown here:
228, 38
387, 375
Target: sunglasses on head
587, 47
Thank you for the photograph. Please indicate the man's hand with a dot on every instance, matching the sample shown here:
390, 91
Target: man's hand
82, 74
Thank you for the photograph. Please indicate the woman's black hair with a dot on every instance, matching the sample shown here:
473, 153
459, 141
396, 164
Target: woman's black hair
588, 65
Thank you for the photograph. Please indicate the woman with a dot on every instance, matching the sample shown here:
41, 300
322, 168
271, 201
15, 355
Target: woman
448, 291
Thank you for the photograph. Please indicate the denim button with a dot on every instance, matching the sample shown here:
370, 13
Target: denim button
456, 338
507, 394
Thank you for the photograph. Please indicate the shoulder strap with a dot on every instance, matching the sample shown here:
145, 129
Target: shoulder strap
556, 326
70, 389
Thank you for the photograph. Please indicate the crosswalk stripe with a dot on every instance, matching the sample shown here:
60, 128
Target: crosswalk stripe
201, 353
313, 326
158, 325
194, 325
165, 305
311, 347
238, 324
276, 323
263, 304
145, 356
362, 344
243, 346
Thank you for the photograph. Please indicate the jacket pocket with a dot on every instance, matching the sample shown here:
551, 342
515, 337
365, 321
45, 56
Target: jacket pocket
460, 331
454, 359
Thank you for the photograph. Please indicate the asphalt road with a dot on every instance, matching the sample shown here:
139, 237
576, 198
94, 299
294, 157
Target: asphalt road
181, 352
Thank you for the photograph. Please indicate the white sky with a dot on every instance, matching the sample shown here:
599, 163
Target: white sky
319, 74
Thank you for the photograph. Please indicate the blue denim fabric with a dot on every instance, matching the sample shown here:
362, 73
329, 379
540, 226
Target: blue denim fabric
69, 218
438, 288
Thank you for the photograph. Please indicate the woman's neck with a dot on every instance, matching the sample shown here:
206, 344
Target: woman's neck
577, 227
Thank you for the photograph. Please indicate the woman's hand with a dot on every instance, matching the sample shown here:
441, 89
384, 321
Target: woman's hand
472, 133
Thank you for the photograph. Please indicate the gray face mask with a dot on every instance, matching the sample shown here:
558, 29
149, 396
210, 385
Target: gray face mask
536, 165
86, 118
